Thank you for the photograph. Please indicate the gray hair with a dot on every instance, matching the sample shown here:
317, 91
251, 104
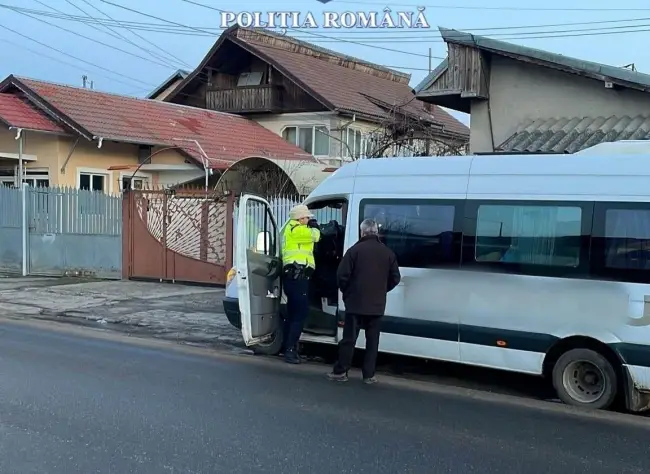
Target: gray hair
369, 227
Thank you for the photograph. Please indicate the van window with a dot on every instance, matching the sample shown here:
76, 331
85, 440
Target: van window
627, 239
420, 233
260, 231
531, 235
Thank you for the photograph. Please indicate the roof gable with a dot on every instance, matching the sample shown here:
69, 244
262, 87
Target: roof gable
18, 113
603, 72
341, 83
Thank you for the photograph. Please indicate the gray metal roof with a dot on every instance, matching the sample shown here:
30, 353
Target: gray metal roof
178, 74
569, 135
617, 75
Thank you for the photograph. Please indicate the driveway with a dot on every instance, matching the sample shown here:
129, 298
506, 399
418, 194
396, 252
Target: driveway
192, 314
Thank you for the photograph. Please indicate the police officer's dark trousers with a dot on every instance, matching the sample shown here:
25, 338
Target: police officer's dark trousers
297, 290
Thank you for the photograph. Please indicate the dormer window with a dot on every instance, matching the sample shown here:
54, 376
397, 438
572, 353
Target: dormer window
249, 79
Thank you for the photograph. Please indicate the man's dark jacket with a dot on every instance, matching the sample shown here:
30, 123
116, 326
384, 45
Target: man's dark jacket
366, 273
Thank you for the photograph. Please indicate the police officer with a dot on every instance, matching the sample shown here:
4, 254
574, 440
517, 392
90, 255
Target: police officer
299, 237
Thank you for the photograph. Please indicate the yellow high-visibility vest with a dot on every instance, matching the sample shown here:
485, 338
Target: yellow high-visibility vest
298, 244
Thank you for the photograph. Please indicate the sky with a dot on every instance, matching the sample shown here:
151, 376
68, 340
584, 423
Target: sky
125, 51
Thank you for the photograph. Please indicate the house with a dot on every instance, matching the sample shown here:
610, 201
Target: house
333, 106
163, 90
525, 100
82, 138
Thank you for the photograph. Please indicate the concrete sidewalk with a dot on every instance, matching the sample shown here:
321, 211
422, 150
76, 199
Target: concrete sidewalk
190, 314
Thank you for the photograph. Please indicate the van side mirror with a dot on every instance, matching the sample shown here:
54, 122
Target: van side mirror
263, 242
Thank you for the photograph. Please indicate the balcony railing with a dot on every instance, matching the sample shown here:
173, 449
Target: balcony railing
248, 99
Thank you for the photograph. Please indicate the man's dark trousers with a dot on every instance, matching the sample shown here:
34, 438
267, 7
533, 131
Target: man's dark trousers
372, 328
297, 309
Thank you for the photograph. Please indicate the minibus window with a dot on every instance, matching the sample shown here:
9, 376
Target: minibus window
421, 234
627, 234
531, 235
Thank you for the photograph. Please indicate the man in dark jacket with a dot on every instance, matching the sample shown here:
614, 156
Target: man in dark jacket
367, 272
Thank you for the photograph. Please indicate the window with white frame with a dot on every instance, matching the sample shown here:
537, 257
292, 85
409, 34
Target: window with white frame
93, 181
136, 182
34, 177
353, 144
313, 139
37, 177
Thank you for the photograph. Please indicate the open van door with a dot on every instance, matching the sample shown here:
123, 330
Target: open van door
259, 268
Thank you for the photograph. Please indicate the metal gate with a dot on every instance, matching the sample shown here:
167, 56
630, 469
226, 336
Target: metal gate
177, 235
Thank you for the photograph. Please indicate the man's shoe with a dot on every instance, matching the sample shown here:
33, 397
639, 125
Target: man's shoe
370, 381
337, 377
291, 357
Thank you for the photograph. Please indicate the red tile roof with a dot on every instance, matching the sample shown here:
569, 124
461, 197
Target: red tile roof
344, 87
18, 113
225, 138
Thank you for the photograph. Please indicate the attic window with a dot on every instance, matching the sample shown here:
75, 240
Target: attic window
249, 79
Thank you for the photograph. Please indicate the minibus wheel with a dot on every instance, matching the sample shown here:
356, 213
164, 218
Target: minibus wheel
585, 378
272, 346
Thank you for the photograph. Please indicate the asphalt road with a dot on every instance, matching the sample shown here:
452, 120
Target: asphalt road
73, 403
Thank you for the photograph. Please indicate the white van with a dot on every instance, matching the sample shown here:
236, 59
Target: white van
537, 264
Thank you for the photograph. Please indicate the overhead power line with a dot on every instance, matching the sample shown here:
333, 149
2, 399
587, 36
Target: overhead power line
115, 34
151, 43
420, 31
112, 47
189, 30
318, 35
171, 27
40, 54
212, 8
138, 81
551, 34
131, 80
202, 30
495, 7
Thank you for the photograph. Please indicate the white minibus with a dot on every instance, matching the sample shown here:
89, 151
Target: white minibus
538, 264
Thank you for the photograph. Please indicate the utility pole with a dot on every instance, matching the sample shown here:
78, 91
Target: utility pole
430, 60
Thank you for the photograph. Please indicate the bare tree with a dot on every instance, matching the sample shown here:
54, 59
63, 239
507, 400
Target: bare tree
403, 134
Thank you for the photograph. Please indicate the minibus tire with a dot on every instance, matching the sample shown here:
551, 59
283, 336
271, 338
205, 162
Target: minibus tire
271, 347
585, 378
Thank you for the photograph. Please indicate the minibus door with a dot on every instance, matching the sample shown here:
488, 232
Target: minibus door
259, 267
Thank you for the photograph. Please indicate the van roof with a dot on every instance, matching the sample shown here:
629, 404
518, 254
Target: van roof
414, 175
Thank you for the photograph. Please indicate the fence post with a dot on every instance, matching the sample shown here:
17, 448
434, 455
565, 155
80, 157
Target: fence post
204, 231
163, 241
127, 232
230, 227
24, 227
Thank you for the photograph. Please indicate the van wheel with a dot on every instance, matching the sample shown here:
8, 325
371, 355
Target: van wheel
584, 378
271, 347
